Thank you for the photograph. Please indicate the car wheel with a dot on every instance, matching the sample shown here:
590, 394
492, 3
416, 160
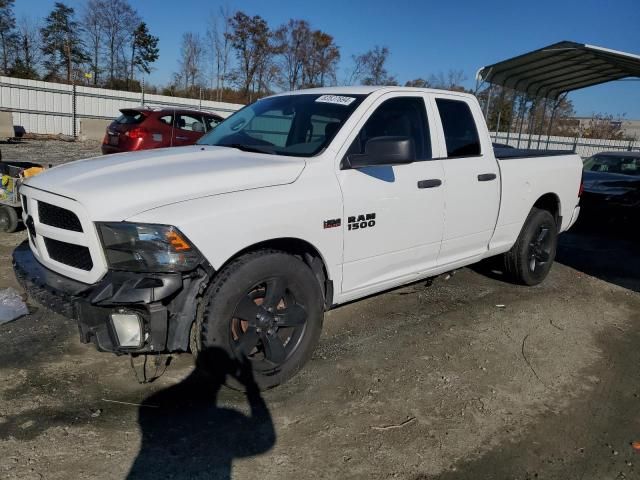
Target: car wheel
265, 307
8, 219
530, 259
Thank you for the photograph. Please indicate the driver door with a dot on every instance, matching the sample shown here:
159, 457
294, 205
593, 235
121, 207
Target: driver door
393, 215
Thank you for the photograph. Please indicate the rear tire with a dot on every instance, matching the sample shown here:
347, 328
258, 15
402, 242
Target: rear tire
265, 307
8, 219
530, 259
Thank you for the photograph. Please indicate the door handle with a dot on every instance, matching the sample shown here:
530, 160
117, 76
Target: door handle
182, 138
486, 177
431, 183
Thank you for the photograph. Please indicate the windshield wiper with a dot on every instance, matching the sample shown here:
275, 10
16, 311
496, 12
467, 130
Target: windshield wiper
247, 148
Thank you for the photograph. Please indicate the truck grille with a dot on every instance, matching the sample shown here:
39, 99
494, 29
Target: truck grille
61, 235
75, 256
58, 217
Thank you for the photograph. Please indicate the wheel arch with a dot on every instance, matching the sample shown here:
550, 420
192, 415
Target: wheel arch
302, 249
551, 203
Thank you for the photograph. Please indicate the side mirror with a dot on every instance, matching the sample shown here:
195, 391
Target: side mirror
383, 151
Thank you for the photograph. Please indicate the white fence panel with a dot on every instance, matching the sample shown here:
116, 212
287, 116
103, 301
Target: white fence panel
47, 107
585, 147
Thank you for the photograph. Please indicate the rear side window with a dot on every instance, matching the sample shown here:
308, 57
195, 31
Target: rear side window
166, 119
190, 123
210, 122
460, 132
130, 117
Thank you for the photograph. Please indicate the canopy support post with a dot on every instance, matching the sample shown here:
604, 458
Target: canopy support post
541, 129
523, 107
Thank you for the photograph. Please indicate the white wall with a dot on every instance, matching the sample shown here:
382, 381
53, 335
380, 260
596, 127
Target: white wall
46, 107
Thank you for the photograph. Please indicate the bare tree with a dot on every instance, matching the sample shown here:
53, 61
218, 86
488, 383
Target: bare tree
250, 37
191, 55
322, 60
417, 83
118, 20
293, 41
309, 58
219, 46
92, 24
453, 80
370, 68
605, 127
28, 53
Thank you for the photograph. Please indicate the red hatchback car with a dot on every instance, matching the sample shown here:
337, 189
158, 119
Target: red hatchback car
144, 128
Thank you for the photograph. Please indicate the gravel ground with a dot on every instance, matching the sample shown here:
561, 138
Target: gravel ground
467, 378
49, 152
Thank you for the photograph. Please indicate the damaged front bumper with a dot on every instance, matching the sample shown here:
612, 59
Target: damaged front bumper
164, 304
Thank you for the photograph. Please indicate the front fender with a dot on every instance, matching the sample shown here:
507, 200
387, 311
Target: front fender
223, 225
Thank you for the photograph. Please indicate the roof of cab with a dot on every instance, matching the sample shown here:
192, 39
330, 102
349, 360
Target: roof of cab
366, 90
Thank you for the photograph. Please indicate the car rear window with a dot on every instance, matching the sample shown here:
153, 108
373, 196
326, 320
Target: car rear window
624, 165
130, 117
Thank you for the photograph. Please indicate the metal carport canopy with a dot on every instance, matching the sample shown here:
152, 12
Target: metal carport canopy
559, 68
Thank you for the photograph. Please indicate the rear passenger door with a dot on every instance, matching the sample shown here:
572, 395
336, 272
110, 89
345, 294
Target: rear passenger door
188, 128
472, 196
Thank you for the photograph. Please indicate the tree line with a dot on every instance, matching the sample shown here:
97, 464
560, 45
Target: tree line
107, 44
239, 58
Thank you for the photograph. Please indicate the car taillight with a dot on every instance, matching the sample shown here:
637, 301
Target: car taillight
105, 140
137, 132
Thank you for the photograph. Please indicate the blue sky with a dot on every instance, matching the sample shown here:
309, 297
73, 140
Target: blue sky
425, 37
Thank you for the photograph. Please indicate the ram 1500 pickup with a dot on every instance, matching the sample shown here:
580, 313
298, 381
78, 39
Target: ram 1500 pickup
295, 204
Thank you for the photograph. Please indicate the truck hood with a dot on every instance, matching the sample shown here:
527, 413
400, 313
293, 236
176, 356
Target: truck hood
115, 187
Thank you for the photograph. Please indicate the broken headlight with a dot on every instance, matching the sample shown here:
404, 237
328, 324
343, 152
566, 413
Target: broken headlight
140, 247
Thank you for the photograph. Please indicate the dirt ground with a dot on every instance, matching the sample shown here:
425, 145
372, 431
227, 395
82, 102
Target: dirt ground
467, 378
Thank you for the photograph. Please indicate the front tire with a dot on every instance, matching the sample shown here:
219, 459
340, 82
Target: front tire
265, 307
530, 259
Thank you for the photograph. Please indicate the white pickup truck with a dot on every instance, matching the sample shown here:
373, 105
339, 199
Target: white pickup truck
295, 204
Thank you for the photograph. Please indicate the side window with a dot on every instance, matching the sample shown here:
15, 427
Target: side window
166, 119
401, 116
190, 123
460, 132
210, 122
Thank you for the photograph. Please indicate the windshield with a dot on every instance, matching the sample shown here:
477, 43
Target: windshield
297, 125
613, 164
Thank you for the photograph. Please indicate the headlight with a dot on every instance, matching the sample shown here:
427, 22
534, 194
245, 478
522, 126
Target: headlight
138, 247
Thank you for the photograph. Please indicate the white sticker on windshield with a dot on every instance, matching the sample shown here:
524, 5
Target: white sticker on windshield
336, 99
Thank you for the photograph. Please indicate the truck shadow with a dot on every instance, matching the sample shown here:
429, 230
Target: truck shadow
602, 250
605, 251
185, 434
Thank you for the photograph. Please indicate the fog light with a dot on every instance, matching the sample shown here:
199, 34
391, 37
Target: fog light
128, 328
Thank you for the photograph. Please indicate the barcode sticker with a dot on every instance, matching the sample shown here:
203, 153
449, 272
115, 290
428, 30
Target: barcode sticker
335, 99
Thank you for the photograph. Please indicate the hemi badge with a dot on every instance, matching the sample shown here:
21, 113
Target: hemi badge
336, 222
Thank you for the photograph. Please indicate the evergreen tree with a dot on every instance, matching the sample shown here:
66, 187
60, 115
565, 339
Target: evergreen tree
144, 49
62, 45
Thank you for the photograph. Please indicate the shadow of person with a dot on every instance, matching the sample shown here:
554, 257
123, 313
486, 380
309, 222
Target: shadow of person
186, 435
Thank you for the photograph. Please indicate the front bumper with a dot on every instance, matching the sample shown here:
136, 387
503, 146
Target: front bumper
166, 303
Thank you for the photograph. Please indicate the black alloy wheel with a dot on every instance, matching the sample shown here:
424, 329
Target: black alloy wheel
267, 324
